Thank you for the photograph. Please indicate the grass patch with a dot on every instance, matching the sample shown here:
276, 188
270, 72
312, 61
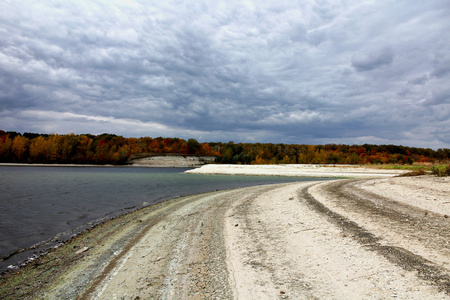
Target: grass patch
403, 167
441, 171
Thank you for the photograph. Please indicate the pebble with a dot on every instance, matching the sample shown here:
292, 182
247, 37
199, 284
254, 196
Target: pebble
84, 249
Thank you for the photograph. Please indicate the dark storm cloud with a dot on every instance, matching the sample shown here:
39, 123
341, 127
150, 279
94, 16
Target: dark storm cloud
347, 72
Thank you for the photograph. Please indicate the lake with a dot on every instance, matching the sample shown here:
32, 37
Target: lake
43, 206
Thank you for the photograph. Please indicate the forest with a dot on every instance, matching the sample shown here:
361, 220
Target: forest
113, 149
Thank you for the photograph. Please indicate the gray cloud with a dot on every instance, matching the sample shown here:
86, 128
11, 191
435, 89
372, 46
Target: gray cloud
219, 71
367, 62
442, 68
419, 80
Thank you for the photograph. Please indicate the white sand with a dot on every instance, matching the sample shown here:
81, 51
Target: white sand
293, 253
296, 170
426, 192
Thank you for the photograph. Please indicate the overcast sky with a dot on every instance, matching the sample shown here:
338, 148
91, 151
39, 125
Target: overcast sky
303, 72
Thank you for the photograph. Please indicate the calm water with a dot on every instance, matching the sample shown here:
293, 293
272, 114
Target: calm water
45, 203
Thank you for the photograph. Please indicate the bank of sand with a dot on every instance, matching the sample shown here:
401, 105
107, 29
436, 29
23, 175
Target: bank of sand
372, 238
296, 170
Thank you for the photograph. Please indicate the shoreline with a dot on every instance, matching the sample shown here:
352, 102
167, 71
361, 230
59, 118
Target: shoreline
299, 170
200, 245
53, 165
89, 166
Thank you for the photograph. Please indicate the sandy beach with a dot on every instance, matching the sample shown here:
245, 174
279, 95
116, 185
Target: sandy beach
296, 170
372, 236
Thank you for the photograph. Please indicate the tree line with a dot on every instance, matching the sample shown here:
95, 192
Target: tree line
90, 149
112, 149
245, 153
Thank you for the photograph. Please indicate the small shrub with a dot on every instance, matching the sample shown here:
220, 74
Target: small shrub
417, 172
441, 171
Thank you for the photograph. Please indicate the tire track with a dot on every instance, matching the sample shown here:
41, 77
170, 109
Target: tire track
185, 260
404, 220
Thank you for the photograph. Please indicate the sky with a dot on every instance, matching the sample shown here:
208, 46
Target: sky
293, 72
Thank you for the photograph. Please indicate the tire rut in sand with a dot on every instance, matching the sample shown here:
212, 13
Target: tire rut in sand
400, 218
197, 268
183, 257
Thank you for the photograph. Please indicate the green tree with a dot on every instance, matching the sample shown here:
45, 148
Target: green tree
193, 145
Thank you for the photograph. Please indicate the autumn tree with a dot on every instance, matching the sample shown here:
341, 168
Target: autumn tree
19, 148
38, 149
5, 148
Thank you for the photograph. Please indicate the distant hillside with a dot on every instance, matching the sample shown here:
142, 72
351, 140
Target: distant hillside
112, 149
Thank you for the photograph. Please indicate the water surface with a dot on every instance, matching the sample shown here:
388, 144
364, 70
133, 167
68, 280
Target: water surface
39, 203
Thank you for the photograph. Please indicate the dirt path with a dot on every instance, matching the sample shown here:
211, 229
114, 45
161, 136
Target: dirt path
342, 239
297, 247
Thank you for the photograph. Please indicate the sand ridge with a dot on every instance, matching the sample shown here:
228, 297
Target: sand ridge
302, 170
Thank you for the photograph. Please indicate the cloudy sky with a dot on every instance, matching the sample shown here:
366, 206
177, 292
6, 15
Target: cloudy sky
304, 72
